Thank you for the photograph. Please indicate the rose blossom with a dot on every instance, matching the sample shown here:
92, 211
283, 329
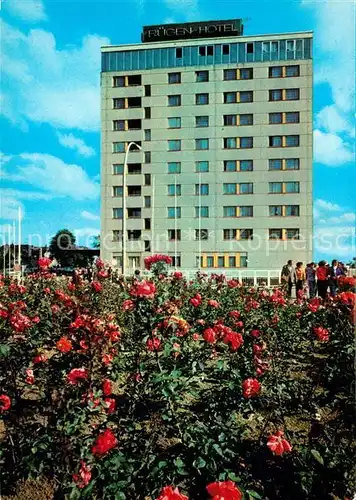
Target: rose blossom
250, 387
168, 493
321, 333
105, 442
278, 445
84, 476
143, 289
96, 286
77, 374
128, 305
213, 303
153, 344
5, 402
110, 405
224, 490
107, 387
64, 345
209, 335
40, 358
255, 332
196, 300
30, 379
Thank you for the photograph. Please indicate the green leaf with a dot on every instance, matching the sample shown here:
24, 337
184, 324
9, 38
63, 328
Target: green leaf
253, 494
199, 463
218, 450
162, 464
232, 476
317, 456
4, 350
178, 462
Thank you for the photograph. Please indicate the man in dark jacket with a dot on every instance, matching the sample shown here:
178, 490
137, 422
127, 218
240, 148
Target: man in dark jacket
288, 276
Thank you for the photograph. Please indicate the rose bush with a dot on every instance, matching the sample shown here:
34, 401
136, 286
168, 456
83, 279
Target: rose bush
171, 389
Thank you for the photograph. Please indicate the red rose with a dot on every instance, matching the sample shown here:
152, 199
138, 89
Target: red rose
36, 320
55, 308
107, 387
84, 476
234, 314
314, 304
40, 358
143, 289
321, 333
234, 339
278, 445
128, 305
178, 275
196, 300
5, 402
30, 379
213, 303
255, 333
44, 263
209, 335
250, 387
195, 336
224, 490
105, 442
99, 264
168, 493
107, 359
64, 345
153, 344
77, 374
47, 290
110, 404
96, 286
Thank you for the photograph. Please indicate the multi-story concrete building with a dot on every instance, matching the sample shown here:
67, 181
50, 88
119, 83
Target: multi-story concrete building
224, 177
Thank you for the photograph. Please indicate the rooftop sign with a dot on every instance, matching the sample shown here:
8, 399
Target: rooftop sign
209, 29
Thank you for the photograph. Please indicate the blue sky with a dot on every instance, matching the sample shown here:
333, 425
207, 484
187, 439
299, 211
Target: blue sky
50, 113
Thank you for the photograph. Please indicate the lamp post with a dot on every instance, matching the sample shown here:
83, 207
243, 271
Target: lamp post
123, 264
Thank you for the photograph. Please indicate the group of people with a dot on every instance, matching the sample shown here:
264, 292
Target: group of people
318, 277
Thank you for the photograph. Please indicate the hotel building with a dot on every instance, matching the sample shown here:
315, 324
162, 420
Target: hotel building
224, 177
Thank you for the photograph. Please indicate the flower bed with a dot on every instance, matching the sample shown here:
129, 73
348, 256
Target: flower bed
172, 389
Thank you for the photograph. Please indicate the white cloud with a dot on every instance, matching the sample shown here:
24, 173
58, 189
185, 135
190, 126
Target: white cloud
84, 236
55, 177
89, 215
335, 242
331, 120
9, 206
27, 10
169, 20
327, 206
25, 195
49, 84
187, 8
72, 142
330, 149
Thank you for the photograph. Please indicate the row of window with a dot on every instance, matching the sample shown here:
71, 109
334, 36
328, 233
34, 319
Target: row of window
203, 76
226, 261
203, 121
175, 167
231, 97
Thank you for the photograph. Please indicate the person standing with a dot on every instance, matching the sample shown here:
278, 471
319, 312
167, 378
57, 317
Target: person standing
310, 276
333, 277
322, 274
288, 276
299, 277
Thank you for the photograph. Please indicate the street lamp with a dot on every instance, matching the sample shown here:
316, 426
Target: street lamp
123, 265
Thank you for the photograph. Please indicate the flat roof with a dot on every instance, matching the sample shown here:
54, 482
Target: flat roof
199, 41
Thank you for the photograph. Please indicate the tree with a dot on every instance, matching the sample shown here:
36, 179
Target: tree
96, 241
60, 246
352, 263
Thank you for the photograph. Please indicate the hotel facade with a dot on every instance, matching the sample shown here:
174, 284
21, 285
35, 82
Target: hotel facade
223, 179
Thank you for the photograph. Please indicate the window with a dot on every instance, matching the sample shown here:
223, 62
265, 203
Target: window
275, 164
147, 135
292, 71
202, 166
246, 165
275, 72
174, 77
147, 113
246, 234
275, 234
292, 234
275, 210
230, 188
232, 261
202, 121
201, 234
246, 96
230, 166
134, 213
174, 234
210, 50
292, 164
275, 95
134, 124
174, 145
275, 141
246, 211
174, 190
147, 179
275, 187
179, 52
118, 81
292, 141
229, 211
118, 168
249, 48
230, 97
292, 210
174, 122
136, 146
118, 103
147, 224
230, 120
118, 147
246, 119
147, 201
202, 51
176, 260
292, 117
292, 95
134, 168
134, 102
201, 212
210, 261
173, 212
202, 76
221, 261
246, 142
201, 144
292, 187
117, 213
201, 189
147, 247
134, 191
246, 188
174, 167
226, 50
147, 156
118, 125
230, 74
275, 118
174, 100
134, 80
243, 260
201, 99
147, 90
230, 234
246, 74
230, 143
117, 191
116, 235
